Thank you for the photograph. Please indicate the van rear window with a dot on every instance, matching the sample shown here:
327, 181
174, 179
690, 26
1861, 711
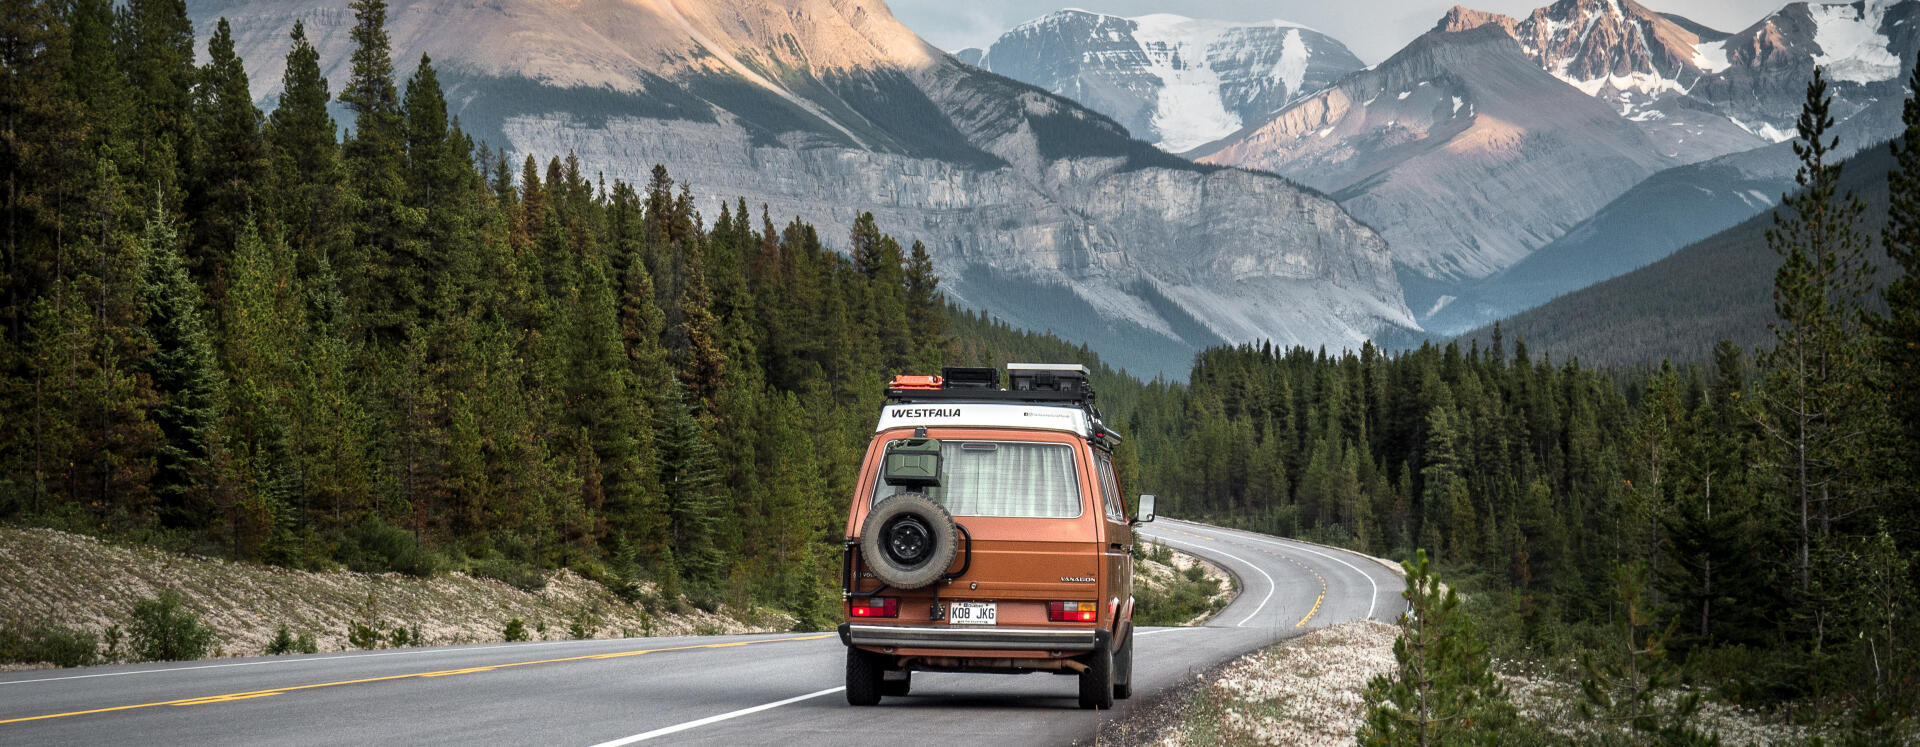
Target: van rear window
1000, 478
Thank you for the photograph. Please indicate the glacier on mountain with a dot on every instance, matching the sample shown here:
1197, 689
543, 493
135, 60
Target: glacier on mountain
1852, 49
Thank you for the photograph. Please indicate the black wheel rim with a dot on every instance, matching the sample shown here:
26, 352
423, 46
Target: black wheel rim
907, 540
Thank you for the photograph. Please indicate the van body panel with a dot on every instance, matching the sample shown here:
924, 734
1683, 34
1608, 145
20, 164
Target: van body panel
1019, 564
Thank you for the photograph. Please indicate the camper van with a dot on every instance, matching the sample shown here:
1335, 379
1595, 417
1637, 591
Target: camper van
987, 534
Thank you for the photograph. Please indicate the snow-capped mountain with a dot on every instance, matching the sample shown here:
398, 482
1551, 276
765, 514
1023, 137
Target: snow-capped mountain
1703, 93
1179, 82
1463, 190
1459, 149
1035, 208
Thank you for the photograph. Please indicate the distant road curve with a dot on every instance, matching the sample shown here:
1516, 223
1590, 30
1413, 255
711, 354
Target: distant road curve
732, 690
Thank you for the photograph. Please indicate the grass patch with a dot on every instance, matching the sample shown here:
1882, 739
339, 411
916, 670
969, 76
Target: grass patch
1185, 595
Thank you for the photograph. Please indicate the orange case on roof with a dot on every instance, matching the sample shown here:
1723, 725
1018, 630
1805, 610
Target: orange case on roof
916, 382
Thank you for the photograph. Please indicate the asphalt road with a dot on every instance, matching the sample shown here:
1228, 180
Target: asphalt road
755, 689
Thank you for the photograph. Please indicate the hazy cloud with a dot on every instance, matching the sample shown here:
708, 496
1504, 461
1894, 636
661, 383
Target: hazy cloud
1373, 29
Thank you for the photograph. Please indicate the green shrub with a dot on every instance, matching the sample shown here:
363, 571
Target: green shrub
165, 630
516, 630
282, 642
305, 644
400, 637
583, 625
375, 546
519, 575
113, 639
362, 635
1184, 599
49, 644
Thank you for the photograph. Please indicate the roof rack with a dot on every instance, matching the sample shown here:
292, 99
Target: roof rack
1048, 384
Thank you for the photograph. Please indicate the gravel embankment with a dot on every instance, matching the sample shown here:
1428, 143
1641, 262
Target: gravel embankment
80, 582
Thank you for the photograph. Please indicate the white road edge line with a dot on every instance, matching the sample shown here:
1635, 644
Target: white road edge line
677, 728
1270, 584
295, 661
367, 655
1372, 601
1165, 630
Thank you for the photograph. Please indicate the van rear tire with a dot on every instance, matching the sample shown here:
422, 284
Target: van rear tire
863, 677
1096, 683
935, 541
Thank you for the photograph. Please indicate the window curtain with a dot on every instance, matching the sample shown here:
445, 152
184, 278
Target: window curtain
1004, 479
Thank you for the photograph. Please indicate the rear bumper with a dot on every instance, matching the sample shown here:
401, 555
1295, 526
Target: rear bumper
981, 638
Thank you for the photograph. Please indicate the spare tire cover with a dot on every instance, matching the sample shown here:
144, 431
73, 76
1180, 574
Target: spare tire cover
908, 541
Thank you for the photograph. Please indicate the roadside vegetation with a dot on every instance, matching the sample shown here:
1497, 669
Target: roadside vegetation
1174, 588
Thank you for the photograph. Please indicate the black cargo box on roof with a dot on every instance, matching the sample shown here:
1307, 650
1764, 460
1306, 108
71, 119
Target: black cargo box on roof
957, 377
1066, 378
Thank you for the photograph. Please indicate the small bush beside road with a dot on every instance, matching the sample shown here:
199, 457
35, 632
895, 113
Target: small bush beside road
1173, 588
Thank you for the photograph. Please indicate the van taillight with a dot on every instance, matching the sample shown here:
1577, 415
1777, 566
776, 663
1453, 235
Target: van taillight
874, 607
1072, 611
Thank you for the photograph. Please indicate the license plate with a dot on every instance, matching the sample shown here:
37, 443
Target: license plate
973, 613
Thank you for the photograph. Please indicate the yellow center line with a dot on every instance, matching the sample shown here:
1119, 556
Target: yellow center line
1318, 600
204, 700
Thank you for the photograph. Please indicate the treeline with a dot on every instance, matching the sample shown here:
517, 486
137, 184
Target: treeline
241, 333
1756, 517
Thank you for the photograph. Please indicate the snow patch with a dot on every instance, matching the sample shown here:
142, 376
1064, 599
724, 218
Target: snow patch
1711, 58
1439, 304
1457, 103
1403, 95
1189, 112
1851, 45
1651, 84
1291, 70
1765, 130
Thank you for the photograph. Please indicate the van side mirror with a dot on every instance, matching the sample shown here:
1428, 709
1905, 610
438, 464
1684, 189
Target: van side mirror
912, 463
1145, 514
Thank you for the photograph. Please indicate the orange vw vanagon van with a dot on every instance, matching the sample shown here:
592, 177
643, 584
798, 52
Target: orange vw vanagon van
987, 534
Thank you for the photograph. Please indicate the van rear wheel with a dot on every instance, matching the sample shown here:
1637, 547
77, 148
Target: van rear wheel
863, 677
908, 541
1096, 683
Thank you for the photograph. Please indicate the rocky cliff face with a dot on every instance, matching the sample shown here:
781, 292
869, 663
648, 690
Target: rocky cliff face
1178, 82
1035, 208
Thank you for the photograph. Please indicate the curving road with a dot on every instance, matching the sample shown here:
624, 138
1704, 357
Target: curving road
755, 689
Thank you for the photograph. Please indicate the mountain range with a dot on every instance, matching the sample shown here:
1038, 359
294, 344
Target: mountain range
1177, 82
1510, 159
1034, 207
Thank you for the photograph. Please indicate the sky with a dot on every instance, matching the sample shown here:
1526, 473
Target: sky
1373, 29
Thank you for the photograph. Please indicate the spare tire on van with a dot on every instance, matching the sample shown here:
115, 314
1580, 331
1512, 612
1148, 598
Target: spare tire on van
908, 541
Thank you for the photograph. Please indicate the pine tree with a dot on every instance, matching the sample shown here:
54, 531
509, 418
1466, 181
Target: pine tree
373, 163
1443, 691
926, 307
229, 161
1816, 372
155, 40
690, 475
184, 375
1898, 332
306, 178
